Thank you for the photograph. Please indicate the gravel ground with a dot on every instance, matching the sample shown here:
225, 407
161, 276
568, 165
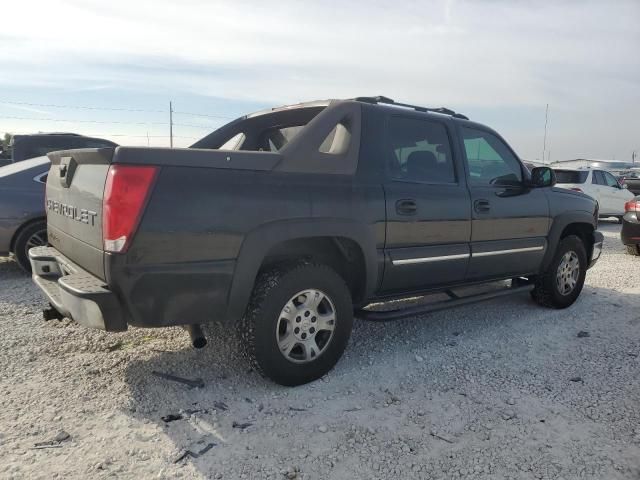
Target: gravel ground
503, 389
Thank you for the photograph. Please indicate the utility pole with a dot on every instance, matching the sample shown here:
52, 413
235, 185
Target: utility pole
544, 142
170, 124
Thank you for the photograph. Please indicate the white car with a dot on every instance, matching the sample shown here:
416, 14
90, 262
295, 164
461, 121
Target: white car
599, 184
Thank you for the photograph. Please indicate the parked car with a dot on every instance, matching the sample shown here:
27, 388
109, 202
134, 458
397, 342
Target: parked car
24, 147
599, 184
282, 222
630, 232
632, 181
22, 215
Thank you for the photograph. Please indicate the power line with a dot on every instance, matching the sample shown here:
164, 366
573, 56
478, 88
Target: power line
111, 109
7, 117
80, 107
141, 136
192, 125
117, 135
204, 115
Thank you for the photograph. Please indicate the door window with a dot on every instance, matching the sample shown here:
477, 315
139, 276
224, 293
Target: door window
598, 178
610, 180
419, 151
490, 161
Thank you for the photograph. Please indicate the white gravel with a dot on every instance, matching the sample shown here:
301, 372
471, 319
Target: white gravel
504, 389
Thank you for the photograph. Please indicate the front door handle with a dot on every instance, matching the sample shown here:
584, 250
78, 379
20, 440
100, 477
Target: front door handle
406, 207
481, 206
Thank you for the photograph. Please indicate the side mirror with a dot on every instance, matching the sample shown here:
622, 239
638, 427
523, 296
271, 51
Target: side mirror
542, 177
624, 185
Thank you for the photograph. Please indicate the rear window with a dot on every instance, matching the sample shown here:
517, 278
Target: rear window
269, 132
571, 176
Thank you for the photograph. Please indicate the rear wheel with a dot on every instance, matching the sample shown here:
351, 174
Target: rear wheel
562, 283
298, 323
633, 249
33, 235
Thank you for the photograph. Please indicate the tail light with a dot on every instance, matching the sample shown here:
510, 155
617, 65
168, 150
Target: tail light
576, 189
632, 206
125, 195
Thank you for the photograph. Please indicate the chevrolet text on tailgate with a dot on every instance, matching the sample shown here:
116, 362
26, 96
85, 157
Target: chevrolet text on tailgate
283, 223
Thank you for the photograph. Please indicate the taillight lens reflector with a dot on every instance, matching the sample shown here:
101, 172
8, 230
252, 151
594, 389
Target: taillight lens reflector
125, 196
632, 206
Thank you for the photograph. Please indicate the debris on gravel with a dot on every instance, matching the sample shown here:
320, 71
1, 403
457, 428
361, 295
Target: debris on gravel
171, 418
240, 425
387, 415
60, 437
197, 383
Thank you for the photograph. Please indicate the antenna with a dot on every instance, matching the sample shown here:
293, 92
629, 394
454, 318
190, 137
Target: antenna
544, 142
170, 124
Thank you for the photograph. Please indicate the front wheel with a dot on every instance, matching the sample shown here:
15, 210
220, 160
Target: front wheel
298, 323
562, 283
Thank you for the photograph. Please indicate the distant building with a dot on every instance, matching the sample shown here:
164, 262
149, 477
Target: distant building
611, 165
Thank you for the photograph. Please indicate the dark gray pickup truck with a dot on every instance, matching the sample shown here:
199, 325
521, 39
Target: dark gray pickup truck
283, 223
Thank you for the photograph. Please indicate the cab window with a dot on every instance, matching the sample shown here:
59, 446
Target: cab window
419, 151
489, 159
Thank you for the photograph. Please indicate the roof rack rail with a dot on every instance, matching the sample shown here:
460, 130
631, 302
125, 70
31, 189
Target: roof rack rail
389, 101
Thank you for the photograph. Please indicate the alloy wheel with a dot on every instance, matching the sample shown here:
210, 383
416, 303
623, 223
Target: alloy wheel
568, 273
306, 326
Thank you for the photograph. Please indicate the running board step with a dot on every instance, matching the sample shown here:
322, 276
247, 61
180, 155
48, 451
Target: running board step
455, 301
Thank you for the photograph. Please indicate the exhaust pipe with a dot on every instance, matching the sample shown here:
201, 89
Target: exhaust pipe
198, 340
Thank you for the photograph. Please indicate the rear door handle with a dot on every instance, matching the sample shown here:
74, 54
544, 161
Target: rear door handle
481, 206
406, 207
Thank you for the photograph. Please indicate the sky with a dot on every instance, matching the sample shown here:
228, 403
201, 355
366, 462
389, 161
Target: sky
500, 62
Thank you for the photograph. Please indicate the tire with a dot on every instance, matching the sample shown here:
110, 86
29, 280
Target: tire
547, 290
33, 235
266, 327
633, 249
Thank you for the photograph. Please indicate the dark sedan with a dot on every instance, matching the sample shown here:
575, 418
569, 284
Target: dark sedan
23, 223
630, 232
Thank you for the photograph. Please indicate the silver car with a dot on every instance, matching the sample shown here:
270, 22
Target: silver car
23, 222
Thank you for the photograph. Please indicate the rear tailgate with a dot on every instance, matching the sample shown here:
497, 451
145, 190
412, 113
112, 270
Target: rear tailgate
75, 186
